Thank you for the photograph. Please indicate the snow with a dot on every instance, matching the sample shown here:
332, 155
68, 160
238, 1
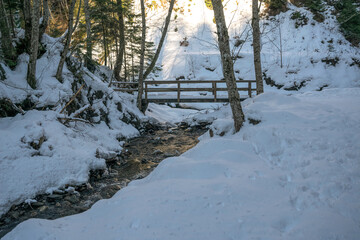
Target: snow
295, 175
68, 152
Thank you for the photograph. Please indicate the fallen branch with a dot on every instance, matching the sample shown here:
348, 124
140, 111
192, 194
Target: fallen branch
79, 111
66, 120
72, 98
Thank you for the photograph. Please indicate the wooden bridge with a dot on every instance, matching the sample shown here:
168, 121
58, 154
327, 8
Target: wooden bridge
175, 91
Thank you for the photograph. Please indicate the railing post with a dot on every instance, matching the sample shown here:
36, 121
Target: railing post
178, 93
249, 90
214, 90
146, 92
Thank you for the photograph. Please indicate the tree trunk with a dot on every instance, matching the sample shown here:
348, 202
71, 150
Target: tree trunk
45, 21
34, 46
88, 56
67, 42
104, 42
162, 39
142, 56
77, 18
227, 64
257, 47
6, 40
11, 18
27, 19
120, 56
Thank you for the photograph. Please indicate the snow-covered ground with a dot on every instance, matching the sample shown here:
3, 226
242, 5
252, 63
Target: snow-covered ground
38, 153
303, 49
295, 175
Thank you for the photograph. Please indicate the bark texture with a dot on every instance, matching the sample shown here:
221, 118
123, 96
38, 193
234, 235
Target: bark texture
227, 64
162, 39
88, 56
34, 46
120, 56
45, 21
257, 46
6, 39
67, 42
27, 19
142, 56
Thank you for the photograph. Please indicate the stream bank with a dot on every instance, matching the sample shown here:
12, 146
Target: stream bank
138, 158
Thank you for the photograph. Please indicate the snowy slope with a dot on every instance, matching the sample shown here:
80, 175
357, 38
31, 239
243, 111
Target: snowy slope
293, 176
303, 49
37, 152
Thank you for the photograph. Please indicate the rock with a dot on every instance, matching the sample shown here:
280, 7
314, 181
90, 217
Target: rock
58, 204
33, 214
72, 199
54, 197
37, 204
80, 208
168, 154
41, 209
157, 151
58, 191
66, 204
105, 154
15, 215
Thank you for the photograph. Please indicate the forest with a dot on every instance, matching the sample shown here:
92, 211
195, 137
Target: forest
179, 119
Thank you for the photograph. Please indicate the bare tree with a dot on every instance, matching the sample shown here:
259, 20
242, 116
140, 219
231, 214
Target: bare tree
27, 18
142, 56
227, 64
6, 40
120, 56
88, 56
34, 45
45, 19
67, 42
162, 39
257, 46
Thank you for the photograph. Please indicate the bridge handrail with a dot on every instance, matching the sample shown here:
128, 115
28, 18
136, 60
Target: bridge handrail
214, 89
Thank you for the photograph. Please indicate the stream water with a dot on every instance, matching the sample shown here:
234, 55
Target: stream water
138, 158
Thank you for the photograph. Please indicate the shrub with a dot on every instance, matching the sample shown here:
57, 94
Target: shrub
349, 20
300, 19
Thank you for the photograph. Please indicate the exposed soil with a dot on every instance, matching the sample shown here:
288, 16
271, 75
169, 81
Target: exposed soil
138, 158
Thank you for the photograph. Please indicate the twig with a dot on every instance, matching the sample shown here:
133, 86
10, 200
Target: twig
67, 120
72, 98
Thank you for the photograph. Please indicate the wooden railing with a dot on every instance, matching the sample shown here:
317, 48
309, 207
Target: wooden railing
181, 87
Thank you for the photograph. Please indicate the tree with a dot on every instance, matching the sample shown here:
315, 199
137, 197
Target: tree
142, 56
34, 43
162, 39
27, 19
88, 56
227, 64
67, 42
6, 39
120, 55
45, 19
256, 46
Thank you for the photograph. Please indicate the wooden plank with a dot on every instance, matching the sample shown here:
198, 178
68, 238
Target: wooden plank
193, 81
191, 89
178, 92
188, 100
249, 89
125, 89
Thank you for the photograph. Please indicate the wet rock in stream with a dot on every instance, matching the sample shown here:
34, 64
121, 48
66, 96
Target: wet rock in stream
138, 158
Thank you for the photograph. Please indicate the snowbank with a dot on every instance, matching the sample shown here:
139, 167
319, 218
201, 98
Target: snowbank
38, 153
295, 175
